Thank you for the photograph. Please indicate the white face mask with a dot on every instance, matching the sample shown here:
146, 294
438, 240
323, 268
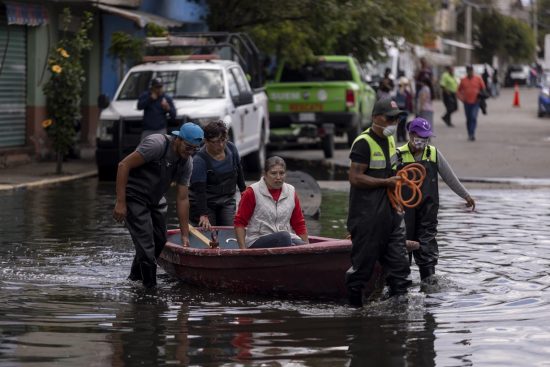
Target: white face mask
420, 143
388, 130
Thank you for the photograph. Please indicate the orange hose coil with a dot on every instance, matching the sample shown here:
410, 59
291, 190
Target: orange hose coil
413, 176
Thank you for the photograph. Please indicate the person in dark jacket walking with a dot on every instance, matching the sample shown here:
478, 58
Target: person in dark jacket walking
217, 172
377, 230
143, 178
421, 221
156, 106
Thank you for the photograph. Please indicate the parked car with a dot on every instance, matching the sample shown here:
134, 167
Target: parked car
202, 90
203, 87
544, 96
330, 96
460, 72
517, 74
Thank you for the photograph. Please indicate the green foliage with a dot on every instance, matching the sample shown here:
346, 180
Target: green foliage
297, 30
504, 36
64, 89
155, 30
125, 48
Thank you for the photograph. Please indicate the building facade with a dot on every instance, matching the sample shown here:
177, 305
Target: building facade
29, 29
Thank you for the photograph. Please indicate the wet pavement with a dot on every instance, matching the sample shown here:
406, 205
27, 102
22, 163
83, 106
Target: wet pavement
65, 300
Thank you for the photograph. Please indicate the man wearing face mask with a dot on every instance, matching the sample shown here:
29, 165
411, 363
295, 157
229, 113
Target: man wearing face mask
377, 230
421, 222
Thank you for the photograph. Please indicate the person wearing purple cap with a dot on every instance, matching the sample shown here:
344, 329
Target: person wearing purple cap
142, 180
421, 222
377, 230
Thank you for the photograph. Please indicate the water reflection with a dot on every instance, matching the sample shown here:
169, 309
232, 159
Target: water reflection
65, 300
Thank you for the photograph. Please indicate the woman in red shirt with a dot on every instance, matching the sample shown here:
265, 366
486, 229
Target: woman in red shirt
269, 213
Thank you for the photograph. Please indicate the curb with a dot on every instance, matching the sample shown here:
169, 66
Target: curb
48, 181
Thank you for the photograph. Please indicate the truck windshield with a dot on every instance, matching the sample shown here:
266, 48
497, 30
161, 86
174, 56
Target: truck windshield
182, 84
329, 71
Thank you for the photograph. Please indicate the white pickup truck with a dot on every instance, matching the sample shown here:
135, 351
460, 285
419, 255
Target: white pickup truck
203, 90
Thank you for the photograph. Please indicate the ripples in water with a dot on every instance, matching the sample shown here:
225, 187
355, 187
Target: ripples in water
64, 299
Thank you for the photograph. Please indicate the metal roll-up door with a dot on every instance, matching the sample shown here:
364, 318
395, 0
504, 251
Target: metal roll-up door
13, 82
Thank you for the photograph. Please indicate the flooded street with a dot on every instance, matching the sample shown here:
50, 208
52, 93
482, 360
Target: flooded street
65, 300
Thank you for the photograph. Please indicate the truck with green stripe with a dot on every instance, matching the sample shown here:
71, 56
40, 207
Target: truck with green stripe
323, 98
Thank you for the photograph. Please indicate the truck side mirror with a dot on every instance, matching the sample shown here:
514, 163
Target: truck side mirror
246, 98
103, 101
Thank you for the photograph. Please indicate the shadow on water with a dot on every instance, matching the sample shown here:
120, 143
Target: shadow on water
65, 300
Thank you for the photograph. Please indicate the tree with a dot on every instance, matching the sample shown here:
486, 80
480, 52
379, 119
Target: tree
503, 36
297, 30
64, 88
125, 48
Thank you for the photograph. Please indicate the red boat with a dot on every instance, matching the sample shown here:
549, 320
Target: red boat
312, 271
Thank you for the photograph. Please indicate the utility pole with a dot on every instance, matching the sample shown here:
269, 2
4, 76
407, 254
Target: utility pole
468, 33
535, 25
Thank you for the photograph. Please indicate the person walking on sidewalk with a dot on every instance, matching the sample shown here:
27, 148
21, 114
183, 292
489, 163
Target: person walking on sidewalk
404, 100
425, 104
468, 92
449, 85
377, 230
217, 171
143, 178
421, 221
156, 105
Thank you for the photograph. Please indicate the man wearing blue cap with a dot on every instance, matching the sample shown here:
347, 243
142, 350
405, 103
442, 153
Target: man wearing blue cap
421, 222
143, 178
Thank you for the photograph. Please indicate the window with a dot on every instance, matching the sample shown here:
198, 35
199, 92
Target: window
242, 83
233, 89
182, 84
329, 71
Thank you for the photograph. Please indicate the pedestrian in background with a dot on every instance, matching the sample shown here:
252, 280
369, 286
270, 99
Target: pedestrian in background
449, 85
495, 88
404, 100
142, 180
425, 107
468, 92
217, 172
377, 230
421, 221
157, 107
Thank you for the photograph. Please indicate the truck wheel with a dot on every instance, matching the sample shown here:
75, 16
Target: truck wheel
327, 143
255, 161
106, 173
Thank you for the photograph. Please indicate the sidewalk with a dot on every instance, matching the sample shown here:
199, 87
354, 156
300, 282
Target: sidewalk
512, 143
38, 174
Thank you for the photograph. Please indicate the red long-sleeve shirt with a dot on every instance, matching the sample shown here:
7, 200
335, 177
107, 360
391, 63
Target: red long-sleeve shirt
248, 204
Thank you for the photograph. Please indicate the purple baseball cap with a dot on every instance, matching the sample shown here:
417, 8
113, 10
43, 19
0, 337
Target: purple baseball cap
421, 127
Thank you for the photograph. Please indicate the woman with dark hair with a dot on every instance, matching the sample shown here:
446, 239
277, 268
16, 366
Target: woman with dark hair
217, 172
269, 212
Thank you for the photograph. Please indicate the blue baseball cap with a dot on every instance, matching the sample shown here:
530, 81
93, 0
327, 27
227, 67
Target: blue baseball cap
190, 133
421, 127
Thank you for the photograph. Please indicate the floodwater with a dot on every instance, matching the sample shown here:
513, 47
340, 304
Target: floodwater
65, 300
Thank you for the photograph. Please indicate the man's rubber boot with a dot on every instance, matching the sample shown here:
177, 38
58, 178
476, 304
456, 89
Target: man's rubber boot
355, 297
135, 272
426, 272
149, 274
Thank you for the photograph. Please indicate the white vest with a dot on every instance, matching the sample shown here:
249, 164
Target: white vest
270, 216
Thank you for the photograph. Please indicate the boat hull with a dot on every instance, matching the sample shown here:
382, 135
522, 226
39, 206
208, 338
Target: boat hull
313, 271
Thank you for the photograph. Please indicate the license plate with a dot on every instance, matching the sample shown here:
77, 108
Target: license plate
305, 107
306, 117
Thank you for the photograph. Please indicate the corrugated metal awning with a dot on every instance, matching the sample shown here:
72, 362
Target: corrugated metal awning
457, 44
26, 14
141, 18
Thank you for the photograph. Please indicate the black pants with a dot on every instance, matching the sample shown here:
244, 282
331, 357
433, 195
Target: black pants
278, 239
147, 226
221, 211
385, 242
451, 105
422, 227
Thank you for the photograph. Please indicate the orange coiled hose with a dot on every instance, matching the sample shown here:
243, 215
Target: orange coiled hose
412, 175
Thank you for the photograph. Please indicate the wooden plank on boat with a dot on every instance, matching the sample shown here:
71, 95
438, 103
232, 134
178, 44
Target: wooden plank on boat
195, 232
